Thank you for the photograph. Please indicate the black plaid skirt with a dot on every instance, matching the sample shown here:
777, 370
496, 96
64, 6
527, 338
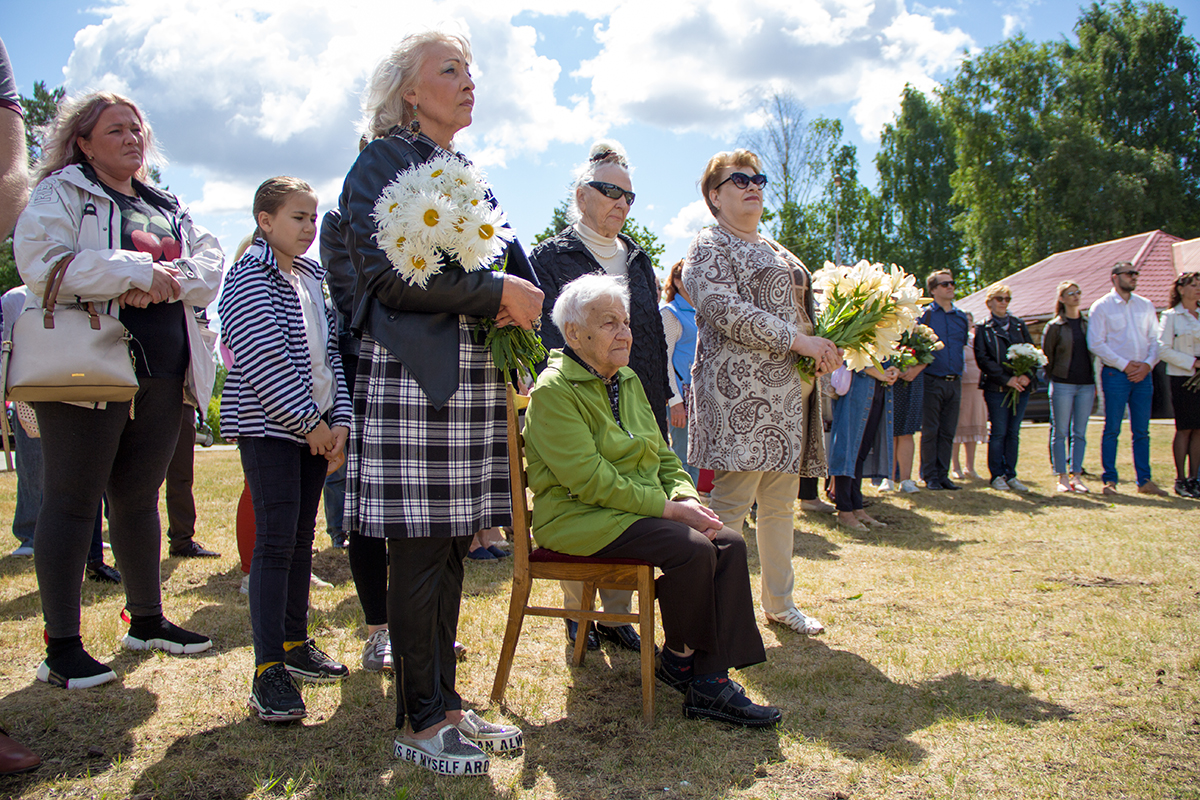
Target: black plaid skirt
414, 471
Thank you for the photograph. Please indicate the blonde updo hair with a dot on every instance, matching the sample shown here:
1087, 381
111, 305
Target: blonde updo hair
383, 103
728, 158
603, 151
77, 117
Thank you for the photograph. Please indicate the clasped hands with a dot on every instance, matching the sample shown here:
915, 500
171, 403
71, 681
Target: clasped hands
822, 351
695, 516
164, 288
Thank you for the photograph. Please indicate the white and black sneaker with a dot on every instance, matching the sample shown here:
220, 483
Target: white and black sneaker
75, 670
166, 636
446, 753
309, 663
489, 736
275, 697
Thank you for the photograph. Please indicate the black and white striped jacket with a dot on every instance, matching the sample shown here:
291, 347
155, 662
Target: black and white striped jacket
269, 388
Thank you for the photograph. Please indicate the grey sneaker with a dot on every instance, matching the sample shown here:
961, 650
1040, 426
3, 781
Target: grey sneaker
909, 487
1017, 486
377, 652
488, 736
446, 753
999, 484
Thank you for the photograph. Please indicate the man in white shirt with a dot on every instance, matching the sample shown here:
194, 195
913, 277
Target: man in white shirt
1123, 332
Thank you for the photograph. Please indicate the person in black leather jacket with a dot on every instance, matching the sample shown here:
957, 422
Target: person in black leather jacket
428, 460
993, 337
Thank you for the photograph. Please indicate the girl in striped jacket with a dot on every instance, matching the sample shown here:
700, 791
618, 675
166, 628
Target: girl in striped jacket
285, 402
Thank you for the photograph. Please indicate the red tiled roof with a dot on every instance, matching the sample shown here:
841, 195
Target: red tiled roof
1033, 288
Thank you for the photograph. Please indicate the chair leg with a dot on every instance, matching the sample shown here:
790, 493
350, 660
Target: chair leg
512, 632
646, 623
587, 603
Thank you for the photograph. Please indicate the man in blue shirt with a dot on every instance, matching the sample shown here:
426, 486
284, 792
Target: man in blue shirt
943, 386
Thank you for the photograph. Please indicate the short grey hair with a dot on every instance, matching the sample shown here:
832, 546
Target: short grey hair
604, 151
574, 299
383, 103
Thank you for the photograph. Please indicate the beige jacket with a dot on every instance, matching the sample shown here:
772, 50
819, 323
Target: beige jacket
747, 414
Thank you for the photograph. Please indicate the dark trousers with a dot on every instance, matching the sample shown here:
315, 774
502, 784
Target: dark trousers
1004, 432
285, 482
938, 425
181, 505
369, 565
703, 594
88, 452
424, 593
848, 496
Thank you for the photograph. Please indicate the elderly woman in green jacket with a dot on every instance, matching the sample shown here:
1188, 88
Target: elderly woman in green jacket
605, 483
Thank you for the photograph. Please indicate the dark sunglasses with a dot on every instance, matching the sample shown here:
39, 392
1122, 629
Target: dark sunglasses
612, 191
944, 283
1072, 293
741, 180
1132, 272
1003, 299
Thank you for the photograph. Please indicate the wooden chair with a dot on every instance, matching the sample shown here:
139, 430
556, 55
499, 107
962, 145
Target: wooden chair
537, 563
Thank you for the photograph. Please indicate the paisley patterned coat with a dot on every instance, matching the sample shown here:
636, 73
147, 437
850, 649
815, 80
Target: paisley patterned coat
747, 416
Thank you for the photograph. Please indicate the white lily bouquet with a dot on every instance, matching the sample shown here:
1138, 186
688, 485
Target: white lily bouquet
865, 310
1023, 358
438, 214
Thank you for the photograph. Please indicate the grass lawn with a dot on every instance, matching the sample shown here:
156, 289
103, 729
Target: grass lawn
985, 645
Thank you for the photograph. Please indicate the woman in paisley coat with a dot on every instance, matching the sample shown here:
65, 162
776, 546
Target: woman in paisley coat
753, 420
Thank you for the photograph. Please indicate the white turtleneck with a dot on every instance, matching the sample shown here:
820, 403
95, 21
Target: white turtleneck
611, 253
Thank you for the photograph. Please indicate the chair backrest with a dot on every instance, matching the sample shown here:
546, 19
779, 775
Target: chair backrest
522, 515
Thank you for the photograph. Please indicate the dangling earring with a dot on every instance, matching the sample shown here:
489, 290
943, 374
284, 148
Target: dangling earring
414, 126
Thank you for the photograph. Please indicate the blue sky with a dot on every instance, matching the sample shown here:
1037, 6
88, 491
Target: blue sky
239, 91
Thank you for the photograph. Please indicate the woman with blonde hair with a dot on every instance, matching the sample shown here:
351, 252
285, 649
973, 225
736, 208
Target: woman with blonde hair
1072, 386
753, 419
992, 340
134, 251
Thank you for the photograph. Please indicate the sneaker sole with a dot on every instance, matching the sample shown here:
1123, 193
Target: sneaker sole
499, 744
272, 715
440, 764
315, 677
376, 667
166, 645
704, 713
45, 675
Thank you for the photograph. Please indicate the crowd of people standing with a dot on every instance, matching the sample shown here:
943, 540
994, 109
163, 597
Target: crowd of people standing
643, 388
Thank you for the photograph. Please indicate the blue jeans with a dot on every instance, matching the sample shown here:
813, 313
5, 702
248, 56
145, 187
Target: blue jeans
1120, 392
335, 500
1070, 405
679, 441
1004, 437
29, 485
285, 482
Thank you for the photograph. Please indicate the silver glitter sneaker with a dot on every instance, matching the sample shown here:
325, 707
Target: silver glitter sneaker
445, 753
489, 736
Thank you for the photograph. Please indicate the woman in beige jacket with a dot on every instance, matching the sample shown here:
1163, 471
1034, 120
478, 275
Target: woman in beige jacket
754, 421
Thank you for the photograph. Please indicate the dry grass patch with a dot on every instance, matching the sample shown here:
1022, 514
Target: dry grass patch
985, 645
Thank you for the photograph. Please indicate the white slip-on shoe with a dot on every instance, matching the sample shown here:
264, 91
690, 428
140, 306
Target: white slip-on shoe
445, 753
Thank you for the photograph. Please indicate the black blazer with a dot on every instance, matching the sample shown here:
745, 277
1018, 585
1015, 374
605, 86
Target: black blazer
991, 351
417, 326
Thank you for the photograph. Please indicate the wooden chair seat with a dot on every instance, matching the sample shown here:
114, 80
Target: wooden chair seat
532, 563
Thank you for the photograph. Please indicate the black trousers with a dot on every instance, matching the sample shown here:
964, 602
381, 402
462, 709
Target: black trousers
369, 566
424, 593
181, 505
703, 594
88, 453
938, 425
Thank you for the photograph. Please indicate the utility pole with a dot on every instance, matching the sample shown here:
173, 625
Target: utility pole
837, 221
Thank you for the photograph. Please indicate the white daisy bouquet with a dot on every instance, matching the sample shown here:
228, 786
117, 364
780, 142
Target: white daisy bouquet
865, 310
1023, 358
438, 214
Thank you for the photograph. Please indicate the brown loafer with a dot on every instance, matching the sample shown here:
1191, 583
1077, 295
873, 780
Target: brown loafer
16, 757
1151, 488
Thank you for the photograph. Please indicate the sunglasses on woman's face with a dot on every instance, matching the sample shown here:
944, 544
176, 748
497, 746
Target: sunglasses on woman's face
1072, 293
741, 180
612, 191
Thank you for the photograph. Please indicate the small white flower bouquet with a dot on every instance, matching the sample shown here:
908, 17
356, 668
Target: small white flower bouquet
865, 310
439, 214
918, 346
1023, 358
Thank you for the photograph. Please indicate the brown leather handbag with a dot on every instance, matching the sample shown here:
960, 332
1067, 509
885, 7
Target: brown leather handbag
71, 353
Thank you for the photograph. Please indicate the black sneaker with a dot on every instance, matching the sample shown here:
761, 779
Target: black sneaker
1194, 484
338, 539
100, 572
308, 663
165, 636
1185, 487
275, 697
75, 670
726, 701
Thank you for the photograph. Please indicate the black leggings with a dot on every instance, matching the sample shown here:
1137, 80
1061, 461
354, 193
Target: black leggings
88, 452
848, 496
369, 566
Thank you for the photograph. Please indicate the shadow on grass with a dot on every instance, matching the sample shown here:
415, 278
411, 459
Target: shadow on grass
847, 703
78, 733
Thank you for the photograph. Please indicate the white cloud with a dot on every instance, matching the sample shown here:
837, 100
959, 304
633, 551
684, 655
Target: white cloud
1013, 23
688, 222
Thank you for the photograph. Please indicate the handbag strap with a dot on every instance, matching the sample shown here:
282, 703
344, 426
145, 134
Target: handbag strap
50, 296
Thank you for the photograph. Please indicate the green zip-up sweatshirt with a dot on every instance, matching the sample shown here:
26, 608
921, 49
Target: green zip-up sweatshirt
592, 479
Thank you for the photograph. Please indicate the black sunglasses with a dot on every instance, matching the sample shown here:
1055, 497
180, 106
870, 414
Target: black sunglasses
741, 180
612, 191
1132, 272
945, 283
